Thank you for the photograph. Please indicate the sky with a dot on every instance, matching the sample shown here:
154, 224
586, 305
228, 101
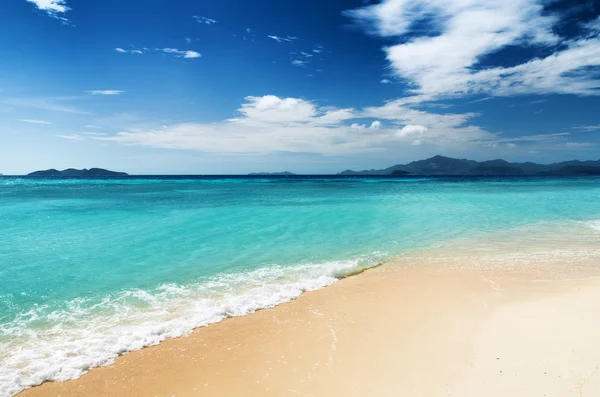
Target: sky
239, 86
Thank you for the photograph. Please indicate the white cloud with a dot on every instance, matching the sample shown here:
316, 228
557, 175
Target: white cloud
204, 20
54, 8
55, 104
92, 126
471, 29
385, 81
281, 39
93, 133
35, 121
594, 26
578, 144
533, 138
588, 127
134, 51
270, 124
182, 53
411, 129
188, 40
73, 137
105, 92
191, 54
298, 62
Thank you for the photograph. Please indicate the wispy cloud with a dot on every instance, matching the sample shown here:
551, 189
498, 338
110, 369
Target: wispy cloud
181, 53
93, 133
471, 29
204, 20
534, 138
73, 137
538, 101
54, 8
123, 51
105, 92
385, 81
92, 126
188, 40
300, 63
55, 104
588, 127
35, 121
481, 99
578, 144
280, 39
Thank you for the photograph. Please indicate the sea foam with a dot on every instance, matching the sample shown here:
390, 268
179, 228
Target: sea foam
594, 225
63, 344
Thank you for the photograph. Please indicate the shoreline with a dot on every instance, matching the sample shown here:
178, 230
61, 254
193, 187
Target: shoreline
390, 329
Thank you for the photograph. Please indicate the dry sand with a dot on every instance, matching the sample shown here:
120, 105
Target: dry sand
392, 331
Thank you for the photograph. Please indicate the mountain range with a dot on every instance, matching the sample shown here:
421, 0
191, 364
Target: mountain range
440, 165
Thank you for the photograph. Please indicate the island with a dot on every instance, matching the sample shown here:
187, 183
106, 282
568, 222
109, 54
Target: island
440, 165
75, 173
284, 173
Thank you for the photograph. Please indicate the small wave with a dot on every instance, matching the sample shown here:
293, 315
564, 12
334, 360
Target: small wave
62, 344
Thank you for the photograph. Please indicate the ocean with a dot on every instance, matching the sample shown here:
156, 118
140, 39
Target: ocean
91, 269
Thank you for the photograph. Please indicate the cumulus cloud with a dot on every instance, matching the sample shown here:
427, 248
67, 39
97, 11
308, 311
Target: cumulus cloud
411, 129
105, 92
31, 121
54, 8
271, 124
182, 53
385, 81
204, 20
468, 31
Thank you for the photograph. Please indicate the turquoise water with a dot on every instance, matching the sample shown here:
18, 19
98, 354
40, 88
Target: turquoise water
90, 269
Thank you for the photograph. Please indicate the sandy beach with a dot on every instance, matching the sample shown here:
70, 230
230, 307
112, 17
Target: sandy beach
415, 327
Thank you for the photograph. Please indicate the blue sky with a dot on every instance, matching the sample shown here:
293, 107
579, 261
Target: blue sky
237, 86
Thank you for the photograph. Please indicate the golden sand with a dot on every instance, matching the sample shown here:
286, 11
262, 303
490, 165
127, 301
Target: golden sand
396, 330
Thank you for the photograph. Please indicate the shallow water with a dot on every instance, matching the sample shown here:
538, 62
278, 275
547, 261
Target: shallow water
90, 269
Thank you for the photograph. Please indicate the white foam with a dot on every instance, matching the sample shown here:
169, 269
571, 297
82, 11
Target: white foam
594, 224
86, 334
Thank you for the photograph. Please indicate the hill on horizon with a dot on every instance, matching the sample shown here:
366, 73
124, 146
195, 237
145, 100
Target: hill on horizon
441, 165
75, 173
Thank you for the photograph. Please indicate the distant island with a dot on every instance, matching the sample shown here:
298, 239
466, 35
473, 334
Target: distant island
284, 173
440, 165
74, 173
